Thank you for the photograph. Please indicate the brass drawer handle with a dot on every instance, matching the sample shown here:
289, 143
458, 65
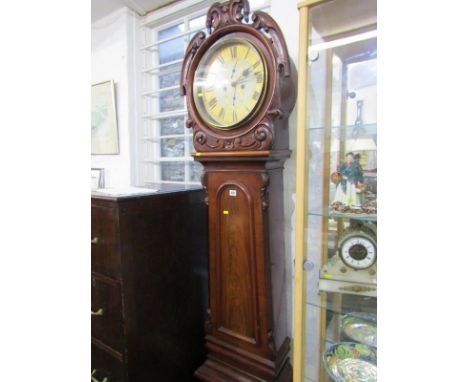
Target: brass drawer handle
99, 312
93, 379
95, 240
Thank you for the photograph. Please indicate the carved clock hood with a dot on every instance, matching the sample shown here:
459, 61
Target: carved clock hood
268, 130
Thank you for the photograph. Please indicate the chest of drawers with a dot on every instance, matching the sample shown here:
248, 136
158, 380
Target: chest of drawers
149, 283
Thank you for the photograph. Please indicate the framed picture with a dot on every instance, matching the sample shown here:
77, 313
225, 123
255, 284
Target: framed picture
104, 131
97, 178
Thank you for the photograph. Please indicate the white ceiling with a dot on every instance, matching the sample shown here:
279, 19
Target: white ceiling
101, 8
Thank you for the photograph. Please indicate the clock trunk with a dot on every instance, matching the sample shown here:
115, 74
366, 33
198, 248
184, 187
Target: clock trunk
247, 324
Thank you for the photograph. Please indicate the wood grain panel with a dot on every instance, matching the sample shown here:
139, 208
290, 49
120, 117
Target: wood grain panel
236, 258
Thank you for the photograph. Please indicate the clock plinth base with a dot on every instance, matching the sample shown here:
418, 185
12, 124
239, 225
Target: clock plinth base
217, 371
228, 363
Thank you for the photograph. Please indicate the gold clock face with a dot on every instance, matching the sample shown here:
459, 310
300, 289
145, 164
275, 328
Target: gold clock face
229, 83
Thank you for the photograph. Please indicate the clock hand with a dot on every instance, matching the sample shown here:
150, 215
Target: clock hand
234, 97
242, 79
233, 70
242, 92
233, 83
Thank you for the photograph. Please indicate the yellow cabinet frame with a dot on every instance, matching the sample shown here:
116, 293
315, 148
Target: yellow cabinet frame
302, 188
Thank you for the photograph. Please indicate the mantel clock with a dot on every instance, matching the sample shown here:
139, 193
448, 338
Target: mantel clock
240, 86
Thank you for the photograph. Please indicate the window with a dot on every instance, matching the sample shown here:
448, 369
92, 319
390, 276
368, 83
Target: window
165, 144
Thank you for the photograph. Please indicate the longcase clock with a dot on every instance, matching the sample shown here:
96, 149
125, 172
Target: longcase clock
241, 86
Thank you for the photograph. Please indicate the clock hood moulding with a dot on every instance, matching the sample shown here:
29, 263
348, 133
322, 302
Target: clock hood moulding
266, 133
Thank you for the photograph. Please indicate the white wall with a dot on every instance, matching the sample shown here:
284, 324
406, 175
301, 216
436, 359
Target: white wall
113, 51
286, 14
112, 58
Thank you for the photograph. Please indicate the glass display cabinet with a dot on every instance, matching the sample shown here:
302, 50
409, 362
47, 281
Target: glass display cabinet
335, 320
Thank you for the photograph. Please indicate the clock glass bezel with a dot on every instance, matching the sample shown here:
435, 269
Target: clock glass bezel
361, 237
209, 55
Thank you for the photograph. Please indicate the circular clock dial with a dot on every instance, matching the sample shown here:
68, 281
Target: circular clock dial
229, 83
358, 252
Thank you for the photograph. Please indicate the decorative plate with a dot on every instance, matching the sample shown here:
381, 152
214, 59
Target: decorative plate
351, 362
361, 327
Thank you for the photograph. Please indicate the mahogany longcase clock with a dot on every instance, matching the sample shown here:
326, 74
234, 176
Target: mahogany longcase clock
240, 86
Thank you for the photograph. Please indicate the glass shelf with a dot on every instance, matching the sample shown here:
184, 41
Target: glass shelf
352, 320
335, 332
352, 304
338, 140
369, 128
343, 215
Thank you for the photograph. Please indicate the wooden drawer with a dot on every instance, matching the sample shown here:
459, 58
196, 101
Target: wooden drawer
104, 243
106, 312
103, 366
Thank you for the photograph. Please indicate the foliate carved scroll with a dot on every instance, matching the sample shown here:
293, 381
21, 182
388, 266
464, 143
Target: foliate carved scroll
204, 182
264, 22
275, 113
192, 48
234, 11
264, 190
204, 142
221, 14
261, 137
